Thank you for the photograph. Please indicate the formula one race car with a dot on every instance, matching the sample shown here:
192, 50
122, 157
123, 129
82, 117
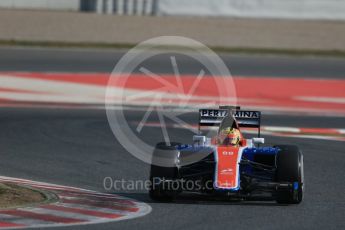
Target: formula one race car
226, 164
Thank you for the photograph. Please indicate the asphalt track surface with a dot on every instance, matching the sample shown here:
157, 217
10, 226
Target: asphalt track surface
77, 148
64, 60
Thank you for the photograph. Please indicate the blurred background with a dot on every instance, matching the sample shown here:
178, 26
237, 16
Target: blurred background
286, 58
306, 9
307, 25
256, 39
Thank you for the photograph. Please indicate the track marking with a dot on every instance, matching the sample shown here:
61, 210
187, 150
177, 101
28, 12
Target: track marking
281, 129
81, 211
339, 100
312, 96
75, 207
10, 225
40, 216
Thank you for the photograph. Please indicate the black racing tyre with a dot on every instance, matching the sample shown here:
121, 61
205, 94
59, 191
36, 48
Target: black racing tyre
159, 190
289, 162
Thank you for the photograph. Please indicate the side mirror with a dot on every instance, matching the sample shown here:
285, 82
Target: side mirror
258, 140
200, 140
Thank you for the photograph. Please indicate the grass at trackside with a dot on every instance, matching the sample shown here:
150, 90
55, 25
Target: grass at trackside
12, 195
243, 50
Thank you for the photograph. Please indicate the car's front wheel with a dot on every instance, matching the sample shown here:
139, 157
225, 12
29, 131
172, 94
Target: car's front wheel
162, 177
289, 162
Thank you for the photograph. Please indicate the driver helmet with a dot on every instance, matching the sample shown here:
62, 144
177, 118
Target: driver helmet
229, 136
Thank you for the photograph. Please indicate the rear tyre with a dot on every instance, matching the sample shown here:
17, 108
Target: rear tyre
289, 162
161, 177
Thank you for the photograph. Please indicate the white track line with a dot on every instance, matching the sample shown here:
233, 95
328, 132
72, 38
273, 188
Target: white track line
337, 100
98, 208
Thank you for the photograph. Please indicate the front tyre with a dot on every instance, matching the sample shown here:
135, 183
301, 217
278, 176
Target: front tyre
289, 162
160, 177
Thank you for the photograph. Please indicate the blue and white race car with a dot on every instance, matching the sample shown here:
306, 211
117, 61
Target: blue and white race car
227, 164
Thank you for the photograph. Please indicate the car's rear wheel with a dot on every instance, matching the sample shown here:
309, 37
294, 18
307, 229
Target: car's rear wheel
289, 162
163, 179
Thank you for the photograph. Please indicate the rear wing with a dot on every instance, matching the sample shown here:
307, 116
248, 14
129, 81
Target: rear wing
244, 118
